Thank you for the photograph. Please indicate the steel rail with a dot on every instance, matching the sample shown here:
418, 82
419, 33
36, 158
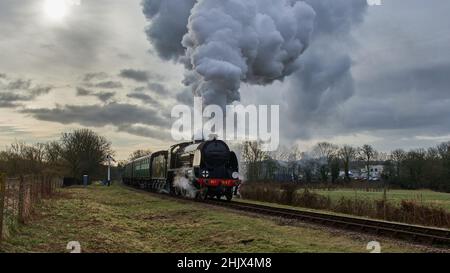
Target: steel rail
392, 229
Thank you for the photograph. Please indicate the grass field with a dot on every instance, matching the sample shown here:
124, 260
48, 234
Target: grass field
424, 196
118, 219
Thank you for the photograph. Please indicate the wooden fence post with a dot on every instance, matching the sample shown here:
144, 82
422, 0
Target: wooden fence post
21, 200
2, 203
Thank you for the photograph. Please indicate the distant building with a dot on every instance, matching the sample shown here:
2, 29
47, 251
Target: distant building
375, 172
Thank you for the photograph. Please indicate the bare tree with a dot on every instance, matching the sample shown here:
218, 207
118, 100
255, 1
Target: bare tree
53, 152
397, 157
347, 154
253, 155
367, 154
139, 153
294, 156
325, 152
307, 167
444, 153
85, 152
21, 158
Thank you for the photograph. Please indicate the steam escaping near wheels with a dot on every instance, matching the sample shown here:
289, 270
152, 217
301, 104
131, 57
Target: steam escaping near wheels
183, 186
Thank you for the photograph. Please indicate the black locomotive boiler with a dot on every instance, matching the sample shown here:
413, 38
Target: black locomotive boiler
198, 169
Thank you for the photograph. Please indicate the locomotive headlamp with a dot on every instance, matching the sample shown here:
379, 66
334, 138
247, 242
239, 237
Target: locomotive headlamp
235, 175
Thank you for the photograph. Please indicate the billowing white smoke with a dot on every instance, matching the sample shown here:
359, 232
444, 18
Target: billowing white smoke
224, 43
231, 41
168, 25
324, 80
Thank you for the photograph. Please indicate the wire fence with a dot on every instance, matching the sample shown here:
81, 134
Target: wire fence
18, 197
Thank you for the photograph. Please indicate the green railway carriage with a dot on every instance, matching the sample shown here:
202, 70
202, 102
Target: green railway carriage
128, 172
147, 172
141, 168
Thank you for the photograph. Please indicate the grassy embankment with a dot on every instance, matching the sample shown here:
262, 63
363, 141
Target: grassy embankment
440, 199
413, 207
117, 219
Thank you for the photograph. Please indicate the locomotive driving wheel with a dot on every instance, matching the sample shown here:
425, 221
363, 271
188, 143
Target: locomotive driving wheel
229, 195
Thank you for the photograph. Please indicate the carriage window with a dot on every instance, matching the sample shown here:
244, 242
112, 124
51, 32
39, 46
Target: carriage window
197, 158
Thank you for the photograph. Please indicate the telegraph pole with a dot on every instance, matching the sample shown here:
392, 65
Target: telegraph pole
109, 158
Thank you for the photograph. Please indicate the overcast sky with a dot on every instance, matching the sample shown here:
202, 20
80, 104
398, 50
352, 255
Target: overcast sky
384, 81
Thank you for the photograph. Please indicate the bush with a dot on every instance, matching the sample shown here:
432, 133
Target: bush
411, 212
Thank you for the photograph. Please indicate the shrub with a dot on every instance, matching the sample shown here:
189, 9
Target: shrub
412, 212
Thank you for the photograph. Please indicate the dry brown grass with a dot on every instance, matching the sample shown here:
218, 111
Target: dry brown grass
407, 211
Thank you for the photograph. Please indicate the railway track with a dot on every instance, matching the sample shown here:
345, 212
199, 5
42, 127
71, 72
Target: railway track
413, 233
428, 235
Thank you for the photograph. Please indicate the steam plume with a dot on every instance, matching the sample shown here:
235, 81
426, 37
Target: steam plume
324, 80
227, 42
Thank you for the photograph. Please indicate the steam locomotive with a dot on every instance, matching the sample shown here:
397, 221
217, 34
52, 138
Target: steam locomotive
200, 169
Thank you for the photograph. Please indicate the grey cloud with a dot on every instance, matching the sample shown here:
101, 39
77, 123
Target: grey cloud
95, 76
393, 108
100, 80
144, 131
107, 84
139, 75
13, 91
140, 89
144, 98
7, 104
153, 87
123, 116
158, 88
424, 82
412, 98
103, 96
41, 90
11, 97
19, 84
185, 97
10, 100
114, 114
84, 92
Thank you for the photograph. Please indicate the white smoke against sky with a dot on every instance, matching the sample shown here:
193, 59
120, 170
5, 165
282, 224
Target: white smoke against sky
324, 80
227, 42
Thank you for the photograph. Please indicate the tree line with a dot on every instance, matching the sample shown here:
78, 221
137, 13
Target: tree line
325, 162
75, 154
